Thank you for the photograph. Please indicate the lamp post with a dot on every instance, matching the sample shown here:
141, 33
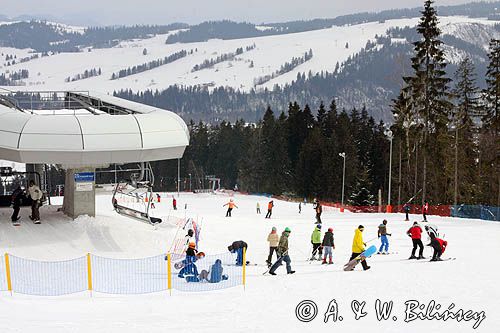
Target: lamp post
390, 136
343, 177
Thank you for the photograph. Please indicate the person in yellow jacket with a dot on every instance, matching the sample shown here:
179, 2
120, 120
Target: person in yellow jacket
273, 238
358, 246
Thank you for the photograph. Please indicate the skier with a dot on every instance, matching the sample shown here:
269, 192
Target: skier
230, 205
328, 245
174, 203
258, 208
425, 210
358, 246
382, 234
273, 240
36, 195
406, 209
283, 254
270, 206
16, 201
415, 232
300, 207
318, 209
431, 228
438, 245
188, 239
237, 247
158, 197
316, 243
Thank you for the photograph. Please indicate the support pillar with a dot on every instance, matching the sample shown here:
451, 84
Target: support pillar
79, 192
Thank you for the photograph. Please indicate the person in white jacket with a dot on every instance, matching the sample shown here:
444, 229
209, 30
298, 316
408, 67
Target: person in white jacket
36, 197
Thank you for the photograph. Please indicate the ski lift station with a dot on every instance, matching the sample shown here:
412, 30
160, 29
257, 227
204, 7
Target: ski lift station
82, 131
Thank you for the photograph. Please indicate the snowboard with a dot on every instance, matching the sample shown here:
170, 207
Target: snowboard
366, 253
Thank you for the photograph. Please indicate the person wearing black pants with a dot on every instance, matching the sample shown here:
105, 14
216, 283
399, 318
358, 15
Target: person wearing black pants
16, 203
415, 232
363, 263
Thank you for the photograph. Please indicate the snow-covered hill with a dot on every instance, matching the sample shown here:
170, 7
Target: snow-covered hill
329, 47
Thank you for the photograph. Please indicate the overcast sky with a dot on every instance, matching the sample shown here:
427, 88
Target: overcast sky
109, 12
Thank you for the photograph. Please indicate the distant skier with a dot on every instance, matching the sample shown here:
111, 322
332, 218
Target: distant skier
16, 201
328, 246
300, 207
158, 197
358, 246
36, 197
425, 210
230, 205
316, 243
174, 203
273, 240
258, 208
382, 234
283, 254
318, 209
406, 209
438, 245
415, 232
270, 206
237, 247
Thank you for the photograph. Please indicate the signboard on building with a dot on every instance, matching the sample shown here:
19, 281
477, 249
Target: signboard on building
84, 177
84, 187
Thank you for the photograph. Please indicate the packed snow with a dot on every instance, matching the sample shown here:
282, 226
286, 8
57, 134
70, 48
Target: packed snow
268, 303
271, 52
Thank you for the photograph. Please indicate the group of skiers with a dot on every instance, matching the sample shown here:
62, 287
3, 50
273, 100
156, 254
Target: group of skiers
19, 195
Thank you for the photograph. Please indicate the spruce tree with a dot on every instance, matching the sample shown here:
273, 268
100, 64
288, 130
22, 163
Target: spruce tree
492, 91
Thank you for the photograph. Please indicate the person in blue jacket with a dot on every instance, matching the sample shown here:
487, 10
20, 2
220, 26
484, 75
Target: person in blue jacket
215, 275
190, 271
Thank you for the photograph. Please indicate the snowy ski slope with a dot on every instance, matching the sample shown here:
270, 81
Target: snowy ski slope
268, 303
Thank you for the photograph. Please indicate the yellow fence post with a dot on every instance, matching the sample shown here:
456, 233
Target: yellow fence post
244, 267
169, 272
7, 271
89, 273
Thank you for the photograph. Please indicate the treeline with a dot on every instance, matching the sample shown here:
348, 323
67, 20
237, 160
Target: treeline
285, 68
208, 63
13, 78
150, 65
85, 75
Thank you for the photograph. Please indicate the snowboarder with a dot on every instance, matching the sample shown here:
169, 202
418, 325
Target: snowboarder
382, 234
283, 254
36, 195
270, 206
318, 209
230, 205
174, 203
237, 247
300, 207
328, 245
415, 232
438, 245
316, 243
358, 246
273, 240
16, 201
425, 210
406, 209
258, 208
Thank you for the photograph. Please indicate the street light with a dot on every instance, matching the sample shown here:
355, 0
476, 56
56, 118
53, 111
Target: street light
390, 136
343, 177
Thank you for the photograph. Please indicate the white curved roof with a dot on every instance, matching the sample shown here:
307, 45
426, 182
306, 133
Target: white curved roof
147, 134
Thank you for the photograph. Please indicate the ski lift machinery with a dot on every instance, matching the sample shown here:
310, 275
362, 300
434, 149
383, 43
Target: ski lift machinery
133, 197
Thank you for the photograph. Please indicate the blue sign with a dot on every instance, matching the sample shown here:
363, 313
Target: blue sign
82, 177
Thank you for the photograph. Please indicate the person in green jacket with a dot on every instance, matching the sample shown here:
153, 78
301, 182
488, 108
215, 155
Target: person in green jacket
316, 243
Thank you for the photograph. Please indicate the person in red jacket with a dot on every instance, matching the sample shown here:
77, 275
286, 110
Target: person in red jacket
415, 232
439, 245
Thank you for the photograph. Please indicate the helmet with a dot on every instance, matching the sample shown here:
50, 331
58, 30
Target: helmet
274, 229
190, 232
231, 200
287, 229
318, 226
360, 227
192, 245
330, 229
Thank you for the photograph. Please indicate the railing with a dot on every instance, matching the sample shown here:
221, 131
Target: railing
119, 276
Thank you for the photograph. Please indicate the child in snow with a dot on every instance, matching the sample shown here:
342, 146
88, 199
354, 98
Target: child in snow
406, 209
215, 274
230, 205
190, 270
174, 203
273, 240
382, 234
415, 232
425, 210
237, 247
283, 254
358, 246
270, 206
316, 243
258, 208
188, 239
328, 245
438, 245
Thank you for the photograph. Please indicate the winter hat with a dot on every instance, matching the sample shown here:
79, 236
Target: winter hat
360, 227
273, 229
318, 226
192, 245
384, 221
330, 229
287, 229
415, 223
190, 232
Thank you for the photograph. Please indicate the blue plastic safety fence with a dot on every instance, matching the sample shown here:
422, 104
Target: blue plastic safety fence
489, 213
3, 275
212, 272
129, 276
48, 278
